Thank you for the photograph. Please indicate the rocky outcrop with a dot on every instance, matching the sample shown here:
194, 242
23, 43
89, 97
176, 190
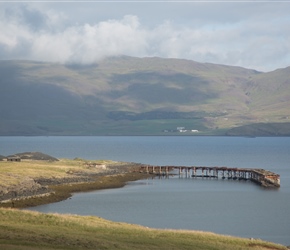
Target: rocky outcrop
34, 156
28, 187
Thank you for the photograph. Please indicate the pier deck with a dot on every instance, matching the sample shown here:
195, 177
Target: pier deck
260, 176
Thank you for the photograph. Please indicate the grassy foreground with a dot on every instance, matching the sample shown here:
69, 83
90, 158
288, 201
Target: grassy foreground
33, 230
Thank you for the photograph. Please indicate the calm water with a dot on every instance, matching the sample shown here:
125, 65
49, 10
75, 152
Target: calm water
222, 206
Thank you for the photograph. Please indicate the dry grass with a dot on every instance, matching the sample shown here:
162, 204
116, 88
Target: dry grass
12, 173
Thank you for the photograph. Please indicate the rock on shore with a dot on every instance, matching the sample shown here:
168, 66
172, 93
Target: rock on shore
28, 187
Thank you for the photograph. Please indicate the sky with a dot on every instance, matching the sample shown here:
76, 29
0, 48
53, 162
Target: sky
250, 34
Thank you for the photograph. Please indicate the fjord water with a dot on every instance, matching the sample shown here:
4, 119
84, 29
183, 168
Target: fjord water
230, 207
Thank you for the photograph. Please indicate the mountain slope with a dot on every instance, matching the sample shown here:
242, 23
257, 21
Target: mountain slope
126, 95
270, 94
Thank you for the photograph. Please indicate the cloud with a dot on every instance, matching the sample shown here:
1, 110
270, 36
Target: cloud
90, 43
261, 41
21, 39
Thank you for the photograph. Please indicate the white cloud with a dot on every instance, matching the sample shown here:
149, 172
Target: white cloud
256, 41
78, 44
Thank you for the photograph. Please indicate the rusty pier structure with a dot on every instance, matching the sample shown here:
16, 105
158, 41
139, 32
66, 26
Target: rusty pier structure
262, 177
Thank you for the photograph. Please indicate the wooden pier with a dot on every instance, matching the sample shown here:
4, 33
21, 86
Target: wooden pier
262, 177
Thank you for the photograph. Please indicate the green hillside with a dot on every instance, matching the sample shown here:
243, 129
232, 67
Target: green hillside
137, 96
23, 230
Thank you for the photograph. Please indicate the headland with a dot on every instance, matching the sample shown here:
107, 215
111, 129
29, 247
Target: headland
27, 180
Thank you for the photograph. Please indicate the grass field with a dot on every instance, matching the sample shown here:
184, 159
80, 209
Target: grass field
14, 172
31, 230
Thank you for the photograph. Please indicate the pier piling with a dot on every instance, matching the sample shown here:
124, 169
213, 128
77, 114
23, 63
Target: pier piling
260, 176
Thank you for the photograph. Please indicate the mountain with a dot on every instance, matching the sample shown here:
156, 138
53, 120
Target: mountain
130, 96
